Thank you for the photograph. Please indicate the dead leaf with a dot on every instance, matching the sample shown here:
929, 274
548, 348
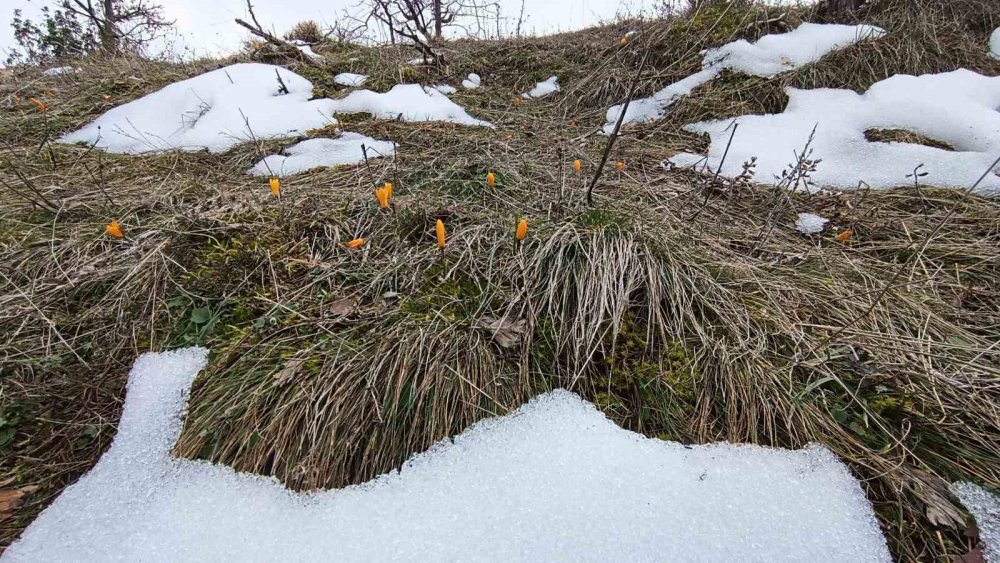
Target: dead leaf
845, 236
506, 333
935, 493
343, 307
287, 373
10, 499
974, 555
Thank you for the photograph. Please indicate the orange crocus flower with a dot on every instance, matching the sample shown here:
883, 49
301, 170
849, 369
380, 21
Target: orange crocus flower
275, 185
356, 243
114, 229
522, 229
38, 104
441, 234
491, 180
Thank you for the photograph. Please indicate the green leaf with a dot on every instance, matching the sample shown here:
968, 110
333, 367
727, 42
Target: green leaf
201, 315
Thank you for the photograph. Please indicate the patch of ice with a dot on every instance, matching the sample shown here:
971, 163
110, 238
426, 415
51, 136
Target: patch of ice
215, 111
544, 88
56, 71
553, 481
350, 79
957, 108
770, 55
985, 506
995, 43
445, 89
410, 102
810, 223
316, 153
417, 61
472, 82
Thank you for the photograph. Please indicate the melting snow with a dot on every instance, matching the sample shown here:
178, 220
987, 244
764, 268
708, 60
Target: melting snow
210, 111
957, 108
411, 102
810, 223
986, 509
995, 43
445, 89
544, 88
306, 49
472, 82
770, 55
56, 71
350, 79
553, 481
316, 153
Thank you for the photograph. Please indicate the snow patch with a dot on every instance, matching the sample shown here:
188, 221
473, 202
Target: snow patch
350, 79
985, 507
553, 481
472, 82
769, 56
316, 153
810, 223
59, 70
445, 89
411, 102
995, 43
215, 111
957, 108
544, 88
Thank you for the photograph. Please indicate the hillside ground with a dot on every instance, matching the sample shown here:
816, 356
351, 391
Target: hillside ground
686, 308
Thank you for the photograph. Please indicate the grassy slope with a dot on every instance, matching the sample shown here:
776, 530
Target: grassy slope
684, 311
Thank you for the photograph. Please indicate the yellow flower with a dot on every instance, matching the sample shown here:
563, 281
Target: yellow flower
624, 41
114, 229
620, 165
576, 165
441, 233
107, 97
491, 180
356, 243
388, 186
382, 195
846, 235
38, 104
522, 229
275, 185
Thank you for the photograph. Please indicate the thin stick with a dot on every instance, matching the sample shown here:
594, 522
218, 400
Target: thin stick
618, 126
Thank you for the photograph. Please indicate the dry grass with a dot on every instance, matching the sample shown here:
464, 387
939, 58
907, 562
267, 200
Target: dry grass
683, 311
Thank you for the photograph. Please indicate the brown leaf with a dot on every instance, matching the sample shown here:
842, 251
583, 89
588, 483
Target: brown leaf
506, 333
343, 307
287, 373
974, 555
935, 493
845, 236
10, 499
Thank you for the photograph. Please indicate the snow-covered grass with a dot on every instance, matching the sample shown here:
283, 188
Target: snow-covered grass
956, 108
350, 79
410, 102
314, 153
770, 55
553, 481
215, 111
543, 88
